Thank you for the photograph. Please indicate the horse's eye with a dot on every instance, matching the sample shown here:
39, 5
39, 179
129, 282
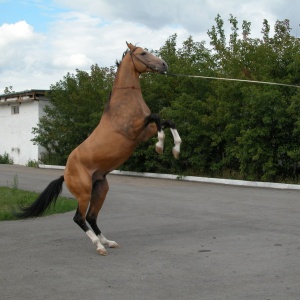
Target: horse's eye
143, 53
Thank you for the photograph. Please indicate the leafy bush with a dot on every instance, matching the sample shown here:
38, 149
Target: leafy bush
32, 163
6, 159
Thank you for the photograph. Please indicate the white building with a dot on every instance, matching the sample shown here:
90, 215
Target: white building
19, 113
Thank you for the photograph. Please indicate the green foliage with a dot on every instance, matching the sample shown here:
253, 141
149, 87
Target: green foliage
257, 122
76, 103
232, 129
15, 183
32, 163
8, 90
6, 159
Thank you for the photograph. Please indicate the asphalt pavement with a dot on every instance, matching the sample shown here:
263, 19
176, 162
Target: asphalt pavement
179, 240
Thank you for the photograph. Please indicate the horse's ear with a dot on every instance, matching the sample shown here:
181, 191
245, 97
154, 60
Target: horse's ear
130, 46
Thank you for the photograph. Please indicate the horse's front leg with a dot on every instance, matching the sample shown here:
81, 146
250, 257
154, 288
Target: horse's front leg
154, 118
177, 142
176, 137
159, 146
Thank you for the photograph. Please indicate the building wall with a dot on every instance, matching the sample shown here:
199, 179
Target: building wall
16, 130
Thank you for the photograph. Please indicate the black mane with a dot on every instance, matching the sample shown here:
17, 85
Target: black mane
118, 62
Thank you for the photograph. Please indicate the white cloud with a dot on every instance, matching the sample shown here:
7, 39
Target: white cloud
21, 50
90, 32
14, 33
17, 41
74, 40
195, 16
75, 61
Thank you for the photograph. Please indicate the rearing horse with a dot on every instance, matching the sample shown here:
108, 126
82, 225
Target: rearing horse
126, 121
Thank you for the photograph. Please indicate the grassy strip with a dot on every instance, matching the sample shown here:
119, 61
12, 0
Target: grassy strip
10, 198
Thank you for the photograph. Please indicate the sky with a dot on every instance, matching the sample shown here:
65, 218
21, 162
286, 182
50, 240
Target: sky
41, 41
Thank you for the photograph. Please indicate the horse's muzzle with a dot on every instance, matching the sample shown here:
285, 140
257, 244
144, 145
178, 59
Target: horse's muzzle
165, 67
162, 69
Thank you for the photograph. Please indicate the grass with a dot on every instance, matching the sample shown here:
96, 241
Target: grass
32, 163
10, 198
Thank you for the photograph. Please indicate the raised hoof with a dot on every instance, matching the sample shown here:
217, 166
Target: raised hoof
159, 149
102, 251
175, 153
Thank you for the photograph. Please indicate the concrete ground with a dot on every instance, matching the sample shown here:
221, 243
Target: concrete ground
179, 240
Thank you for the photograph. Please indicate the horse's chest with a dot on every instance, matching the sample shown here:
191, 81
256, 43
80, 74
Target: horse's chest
128, 116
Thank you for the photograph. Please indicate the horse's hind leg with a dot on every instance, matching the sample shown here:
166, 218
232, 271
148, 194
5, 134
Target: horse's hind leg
99, 191
82, 192
79, 219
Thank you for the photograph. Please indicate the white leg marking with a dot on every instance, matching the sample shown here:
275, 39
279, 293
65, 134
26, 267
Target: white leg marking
159, 146
177, 142
100, 248
110, 244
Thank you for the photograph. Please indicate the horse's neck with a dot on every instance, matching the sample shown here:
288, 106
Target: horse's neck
127, 106
126, 87
127, 76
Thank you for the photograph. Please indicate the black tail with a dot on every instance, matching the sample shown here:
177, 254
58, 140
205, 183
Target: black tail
44, 200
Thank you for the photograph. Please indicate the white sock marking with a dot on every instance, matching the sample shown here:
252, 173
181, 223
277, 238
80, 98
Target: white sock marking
95, 240
160, 144
177, 141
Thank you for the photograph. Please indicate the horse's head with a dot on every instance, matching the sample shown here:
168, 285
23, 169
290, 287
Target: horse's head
145, 61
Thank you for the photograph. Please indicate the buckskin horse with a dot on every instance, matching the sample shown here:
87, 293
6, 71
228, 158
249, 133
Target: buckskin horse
125, 122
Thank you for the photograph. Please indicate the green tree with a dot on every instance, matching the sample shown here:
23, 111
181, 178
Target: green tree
76, 104
8, 90
255, 122
228, 128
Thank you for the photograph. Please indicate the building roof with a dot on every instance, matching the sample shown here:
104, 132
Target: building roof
23, 96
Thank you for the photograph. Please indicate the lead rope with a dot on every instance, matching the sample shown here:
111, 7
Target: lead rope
232, 79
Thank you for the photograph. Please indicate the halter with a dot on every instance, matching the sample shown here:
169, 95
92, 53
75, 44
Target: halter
132, 53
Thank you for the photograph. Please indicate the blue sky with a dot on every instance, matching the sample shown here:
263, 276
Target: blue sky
40, 41
40, 13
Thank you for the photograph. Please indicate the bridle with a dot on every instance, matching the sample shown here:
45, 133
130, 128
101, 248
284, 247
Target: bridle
143, 62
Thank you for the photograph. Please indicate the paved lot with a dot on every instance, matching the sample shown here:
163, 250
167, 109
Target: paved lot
179, 240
